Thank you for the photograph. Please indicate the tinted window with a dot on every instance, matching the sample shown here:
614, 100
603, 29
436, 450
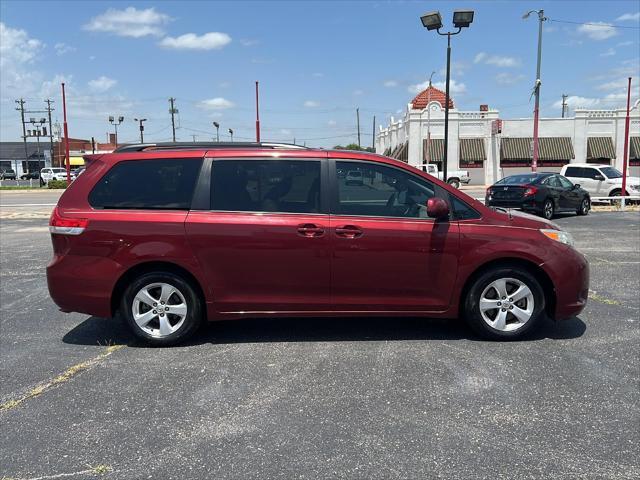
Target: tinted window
611, 172
461, 210
590, 173
575, 172
524, 179
147, 184
290, 186
382, 192
564, 183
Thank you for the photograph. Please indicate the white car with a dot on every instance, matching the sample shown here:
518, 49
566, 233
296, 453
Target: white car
600, 180
54, 173
354, 177
454, 177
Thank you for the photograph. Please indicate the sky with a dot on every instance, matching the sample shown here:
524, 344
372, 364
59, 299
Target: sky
316, 63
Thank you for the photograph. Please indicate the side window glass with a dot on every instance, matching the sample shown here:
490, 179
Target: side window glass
286, 186
147, 184
554, 182
461, 210
369, 189
574, 172
591, 173
564, 182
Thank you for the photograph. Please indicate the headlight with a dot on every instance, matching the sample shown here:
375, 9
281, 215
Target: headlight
559, 236
634, 187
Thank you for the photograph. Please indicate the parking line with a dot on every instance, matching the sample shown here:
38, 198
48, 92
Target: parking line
67, 375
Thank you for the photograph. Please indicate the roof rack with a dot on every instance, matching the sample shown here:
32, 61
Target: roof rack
141, 147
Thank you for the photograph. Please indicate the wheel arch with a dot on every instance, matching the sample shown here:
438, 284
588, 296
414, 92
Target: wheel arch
148, 267
509, 262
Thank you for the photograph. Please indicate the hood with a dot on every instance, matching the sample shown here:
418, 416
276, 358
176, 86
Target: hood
630, 181
516, 218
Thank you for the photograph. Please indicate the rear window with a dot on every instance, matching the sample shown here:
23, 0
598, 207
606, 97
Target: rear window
524, 179
147, 184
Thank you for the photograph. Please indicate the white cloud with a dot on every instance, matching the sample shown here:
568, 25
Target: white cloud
626, 44
457, 69
575, 101
17, 52
311, 104
610, 52
496, 60
613, 85
248, 42
597, 30
332, 123
102, 84
191, 41
358, 92
217, 103
390, 83
630, 17
508, 78
454, 87
62, 48
129, 22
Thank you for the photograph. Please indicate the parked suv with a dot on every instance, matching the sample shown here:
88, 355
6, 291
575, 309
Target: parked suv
7, 174
171, 235
600, 180
54, 173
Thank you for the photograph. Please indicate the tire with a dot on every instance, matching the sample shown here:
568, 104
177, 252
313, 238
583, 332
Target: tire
584, 207
548, 209
454, 182
529, 308
176, 292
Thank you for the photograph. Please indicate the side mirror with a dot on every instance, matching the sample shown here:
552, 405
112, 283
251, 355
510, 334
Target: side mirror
576, 185
437, 208
598, 177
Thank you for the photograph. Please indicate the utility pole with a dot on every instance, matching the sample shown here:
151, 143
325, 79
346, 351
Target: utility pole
66, 135
564, 103
194, 138
173, 111
113, 122
536, 88
24, 131
257, 117
429, 120
49, 110
231, 133
373, 137
358, 121
140, 121
217, 125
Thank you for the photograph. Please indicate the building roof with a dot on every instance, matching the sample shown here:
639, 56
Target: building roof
420, 101
15, 150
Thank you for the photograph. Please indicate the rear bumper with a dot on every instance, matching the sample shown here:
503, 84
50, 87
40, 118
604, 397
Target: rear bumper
522, 204
83, 284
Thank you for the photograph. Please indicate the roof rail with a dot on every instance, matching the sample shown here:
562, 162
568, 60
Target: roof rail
141, 147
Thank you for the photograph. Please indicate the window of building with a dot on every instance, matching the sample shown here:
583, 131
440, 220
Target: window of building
287, 186
370, 189
147, 184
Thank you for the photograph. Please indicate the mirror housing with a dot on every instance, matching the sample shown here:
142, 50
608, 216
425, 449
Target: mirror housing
576, 185
437, 208
598, 177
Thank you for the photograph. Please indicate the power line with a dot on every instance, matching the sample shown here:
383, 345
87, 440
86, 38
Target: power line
594, 24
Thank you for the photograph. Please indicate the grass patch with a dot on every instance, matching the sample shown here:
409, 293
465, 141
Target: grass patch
20, 187
599, 298
100, 469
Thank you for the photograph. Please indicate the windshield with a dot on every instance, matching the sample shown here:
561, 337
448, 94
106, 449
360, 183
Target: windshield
611, 172
517, 180
58, 170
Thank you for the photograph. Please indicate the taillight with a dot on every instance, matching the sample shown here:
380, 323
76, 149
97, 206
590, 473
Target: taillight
66, 225
489, 192
530, 191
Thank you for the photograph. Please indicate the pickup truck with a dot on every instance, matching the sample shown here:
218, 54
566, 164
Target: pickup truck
454, 177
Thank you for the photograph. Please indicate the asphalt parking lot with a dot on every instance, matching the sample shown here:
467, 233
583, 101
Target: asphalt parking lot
340, 398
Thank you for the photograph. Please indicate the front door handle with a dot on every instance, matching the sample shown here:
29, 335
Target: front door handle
349, 231
310, 230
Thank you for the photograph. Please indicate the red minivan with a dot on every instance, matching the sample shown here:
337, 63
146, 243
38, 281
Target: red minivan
172, 234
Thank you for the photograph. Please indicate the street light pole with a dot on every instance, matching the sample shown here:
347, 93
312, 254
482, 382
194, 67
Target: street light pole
536, 88
115, 124
429, 121
140, 121
231, 133
217, 125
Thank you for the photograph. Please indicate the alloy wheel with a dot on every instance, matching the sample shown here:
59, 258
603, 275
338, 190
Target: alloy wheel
548, 210
506, 304
159, 309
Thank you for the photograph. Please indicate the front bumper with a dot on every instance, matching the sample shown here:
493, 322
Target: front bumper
571, 279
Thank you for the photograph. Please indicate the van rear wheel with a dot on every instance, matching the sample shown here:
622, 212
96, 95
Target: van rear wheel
504, 304
161, 308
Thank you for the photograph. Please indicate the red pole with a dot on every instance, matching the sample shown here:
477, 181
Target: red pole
257, 117
626, 142
66, 136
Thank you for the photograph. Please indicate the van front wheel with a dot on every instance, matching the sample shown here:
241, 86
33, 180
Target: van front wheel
504, 304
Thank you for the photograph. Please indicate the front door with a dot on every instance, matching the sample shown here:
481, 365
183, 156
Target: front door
264, 244
387, 255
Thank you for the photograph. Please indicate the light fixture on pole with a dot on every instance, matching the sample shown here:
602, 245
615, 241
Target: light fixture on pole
113, 122
140, 121
536, 88
433, 21
231, 133
217, 125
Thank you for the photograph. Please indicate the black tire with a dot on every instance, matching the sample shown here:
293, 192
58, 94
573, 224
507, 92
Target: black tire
471, 305
548, 209
454, 182
192, 319
584, 207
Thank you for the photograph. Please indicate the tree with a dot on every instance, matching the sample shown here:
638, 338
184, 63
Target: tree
354, 146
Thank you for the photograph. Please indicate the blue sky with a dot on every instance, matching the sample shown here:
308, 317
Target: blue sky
316, 62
